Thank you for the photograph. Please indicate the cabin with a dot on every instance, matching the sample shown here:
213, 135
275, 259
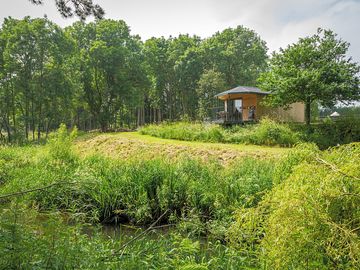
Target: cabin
244, 104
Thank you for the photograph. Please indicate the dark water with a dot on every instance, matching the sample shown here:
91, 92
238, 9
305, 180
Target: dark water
120, 230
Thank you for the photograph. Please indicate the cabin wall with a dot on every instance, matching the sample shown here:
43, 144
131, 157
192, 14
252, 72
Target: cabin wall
248, 101
295, 112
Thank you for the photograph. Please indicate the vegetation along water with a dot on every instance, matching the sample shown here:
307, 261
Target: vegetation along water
301, 207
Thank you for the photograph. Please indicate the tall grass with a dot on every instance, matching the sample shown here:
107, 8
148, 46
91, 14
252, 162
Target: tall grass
185, 131
267, 132
135, 191
140, 191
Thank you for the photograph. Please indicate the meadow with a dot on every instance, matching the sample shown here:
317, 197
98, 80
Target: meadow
275, 208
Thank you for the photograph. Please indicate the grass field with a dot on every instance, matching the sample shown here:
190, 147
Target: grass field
133, 144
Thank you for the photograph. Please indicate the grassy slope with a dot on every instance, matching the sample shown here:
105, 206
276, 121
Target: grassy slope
133, 144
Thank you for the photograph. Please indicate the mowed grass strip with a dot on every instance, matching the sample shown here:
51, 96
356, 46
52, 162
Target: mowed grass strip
135, 145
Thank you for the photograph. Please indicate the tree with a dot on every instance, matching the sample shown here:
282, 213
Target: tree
35, 86
239, 54
112, 70
315, 69
160, 71
211, 83
174, 67
81, 8
188, 67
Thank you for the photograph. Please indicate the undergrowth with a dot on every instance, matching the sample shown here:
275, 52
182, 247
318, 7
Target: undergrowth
267, 132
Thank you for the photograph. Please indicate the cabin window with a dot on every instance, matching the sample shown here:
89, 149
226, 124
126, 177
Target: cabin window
238, 105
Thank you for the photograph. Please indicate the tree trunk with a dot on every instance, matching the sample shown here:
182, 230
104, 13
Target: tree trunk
103, 126
39, 125
159, 115
26, 119
308, 111
8, 129
47, 129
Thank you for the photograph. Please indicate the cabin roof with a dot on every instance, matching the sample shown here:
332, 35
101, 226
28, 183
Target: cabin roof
243, 90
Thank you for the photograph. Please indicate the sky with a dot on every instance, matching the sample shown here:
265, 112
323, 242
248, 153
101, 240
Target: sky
278, 22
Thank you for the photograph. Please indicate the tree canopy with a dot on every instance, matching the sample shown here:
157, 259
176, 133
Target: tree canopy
99, 75
315, 69
210, 83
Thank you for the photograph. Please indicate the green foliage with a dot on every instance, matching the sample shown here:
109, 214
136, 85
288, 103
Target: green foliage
26, 243
300, 212
99, 189
99, 75
36, 69
316, 69
238, 53
267, 132
30, 240
311, 219
210, 83
330, 133
284, 167
60, 144
113, 191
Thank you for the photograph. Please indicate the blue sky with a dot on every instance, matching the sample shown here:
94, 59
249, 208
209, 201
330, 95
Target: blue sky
279, 22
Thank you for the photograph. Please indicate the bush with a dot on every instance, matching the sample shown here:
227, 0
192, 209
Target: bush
330, 133
60, 144
311, 219
267, 132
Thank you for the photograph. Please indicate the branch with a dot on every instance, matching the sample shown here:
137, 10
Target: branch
81, 8
335, 169
142, 233
32, 190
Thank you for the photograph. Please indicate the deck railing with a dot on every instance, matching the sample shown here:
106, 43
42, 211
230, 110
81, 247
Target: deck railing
219, 115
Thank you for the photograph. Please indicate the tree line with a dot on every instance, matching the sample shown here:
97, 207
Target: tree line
98, 75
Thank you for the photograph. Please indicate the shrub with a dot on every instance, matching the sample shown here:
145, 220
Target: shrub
60, 144
286, 165
329, 132
267, 132
310, 220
